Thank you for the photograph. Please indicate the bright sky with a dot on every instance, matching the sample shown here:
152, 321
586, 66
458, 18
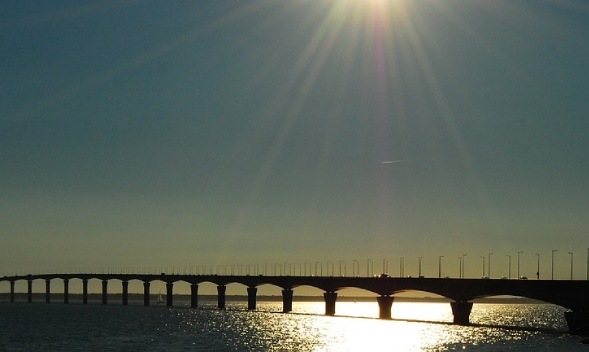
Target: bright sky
155, 134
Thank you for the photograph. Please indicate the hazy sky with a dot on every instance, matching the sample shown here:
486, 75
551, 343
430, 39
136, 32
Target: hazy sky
185, 133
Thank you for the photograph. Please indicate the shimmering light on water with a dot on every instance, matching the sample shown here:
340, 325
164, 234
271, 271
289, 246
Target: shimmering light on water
58, 327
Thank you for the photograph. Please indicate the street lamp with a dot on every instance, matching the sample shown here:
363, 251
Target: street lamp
463, 265
509, 267
571, 253
419, 271
483, 258
402, 267
554, 250
440, 266
355, 264
369, 268
518, 253
385, 266
460, 267
489, 268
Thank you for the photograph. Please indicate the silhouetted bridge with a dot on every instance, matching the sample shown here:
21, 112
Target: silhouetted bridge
573, 295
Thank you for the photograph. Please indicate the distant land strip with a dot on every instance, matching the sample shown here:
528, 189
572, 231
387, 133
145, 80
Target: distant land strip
113, 297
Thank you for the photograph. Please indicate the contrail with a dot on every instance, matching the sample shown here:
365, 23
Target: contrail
391, 161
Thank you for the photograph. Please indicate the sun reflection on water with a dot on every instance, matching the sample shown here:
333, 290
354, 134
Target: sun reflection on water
494, 326
356, 327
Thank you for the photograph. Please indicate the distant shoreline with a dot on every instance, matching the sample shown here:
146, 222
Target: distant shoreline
114, 297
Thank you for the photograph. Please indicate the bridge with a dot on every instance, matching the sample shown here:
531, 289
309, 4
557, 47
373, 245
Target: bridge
571, 294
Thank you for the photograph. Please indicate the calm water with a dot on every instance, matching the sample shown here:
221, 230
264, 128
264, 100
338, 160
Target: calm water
75, 327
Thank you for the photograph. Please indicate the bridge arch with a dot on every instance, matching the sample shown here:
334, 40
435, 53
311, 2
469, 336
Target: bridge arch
514, 297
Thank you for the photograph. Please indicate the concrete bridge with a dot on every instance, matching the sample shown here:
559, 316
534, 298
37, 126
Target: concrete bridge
573, 295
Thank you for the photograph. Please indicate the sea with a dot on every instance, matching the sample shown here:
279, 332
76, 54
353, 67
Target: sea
416, 326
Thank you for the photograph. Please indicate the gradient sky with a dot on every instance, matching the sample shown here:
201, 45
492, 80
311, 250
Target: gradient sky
185, 133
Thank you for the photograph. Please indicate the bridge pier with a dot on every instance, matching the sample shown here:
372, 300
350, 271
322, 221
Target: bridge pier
146, 293
169, 294
85, 291
66, 291
221, 296
12, 291
287, 294
330, 298
104, 291
194, 295
125, 292
251, 298
578, 322
385, 303
30, 291
47, 290
461, 311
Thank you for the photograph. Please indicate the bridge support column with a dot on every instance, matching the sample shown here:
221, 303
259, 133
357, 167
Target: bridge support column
66, 291
47, 290
251, 298
330, 298
12, 291
385, 303
125, 293
169, 294
146, 293
287, 300
578, 322
85, 291
104, 291
30, 291
194, 295
461, 311
221, 296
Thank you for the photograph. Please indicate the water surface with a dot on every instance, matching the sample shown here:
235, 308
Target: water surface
75, 327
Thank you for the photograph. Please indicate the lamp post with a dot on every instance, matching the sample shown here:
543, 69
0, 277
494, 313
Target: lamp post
587, 263
402, 267
385, 266
355, 264
369, 267
489, 266
419, 271
483, 258
340, 268
554, 250
440, 266
460, 267
518, 253
571, 253
509, 266
463, 265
